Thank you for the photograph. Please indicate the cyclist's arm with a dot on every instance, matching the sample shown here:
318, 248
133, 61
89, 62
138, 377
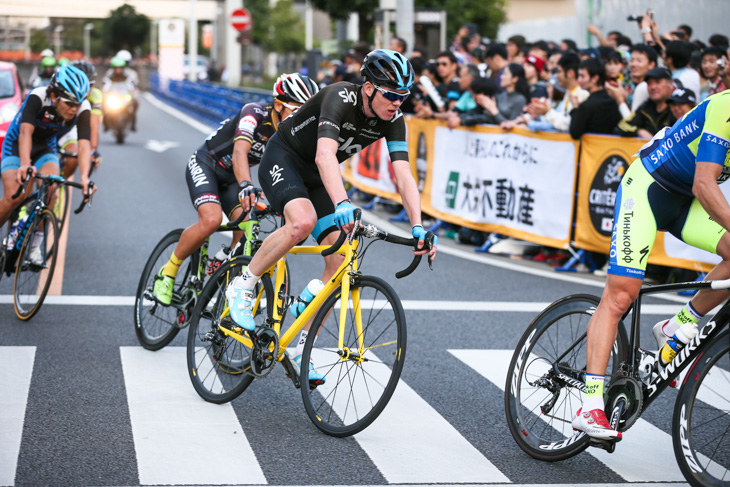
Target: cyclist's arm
25, 144
84, 134
709, 194
408, 190
329, 169
241, 167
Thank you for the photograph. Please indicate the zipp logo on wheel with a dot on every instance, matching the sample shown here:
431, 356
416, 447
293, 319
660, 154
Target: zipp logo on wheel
276, 174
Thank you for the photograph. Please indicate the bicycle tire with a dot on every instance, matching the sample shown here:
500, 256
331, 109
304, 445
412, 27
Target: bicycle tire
217, 363
549, 436
701, 420
32, 280
365, 388
60, 208
156, 325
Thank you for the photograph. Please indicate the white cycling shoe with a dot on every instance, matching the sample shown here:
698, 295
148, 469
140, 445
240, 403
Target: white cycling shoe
595, 424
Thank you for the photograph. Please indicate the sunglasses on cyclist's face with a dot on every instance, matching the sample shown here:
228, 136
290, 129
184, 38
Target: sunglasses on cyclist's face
70, 103
287, 105
392, 96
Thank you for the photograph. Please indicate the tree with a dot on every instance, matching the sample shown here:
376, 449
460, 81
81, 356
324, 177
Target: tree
341, 10
125, 29
39, 41
485, 14
286, 32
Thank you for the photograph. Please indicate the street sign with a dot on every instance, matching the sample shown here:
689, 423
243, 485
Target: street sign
241, 19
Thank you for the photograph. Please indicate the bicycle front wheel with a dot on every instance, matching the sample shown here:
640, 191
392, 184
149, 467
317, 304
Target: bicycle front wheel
60, 206
359, 379
541, 394
218, 364
156, 324
35, 266
701, 422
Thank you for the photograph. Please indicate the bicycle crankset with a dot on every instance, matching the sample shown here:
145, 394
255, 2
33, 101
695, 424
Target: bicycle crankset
624, 396
264, 351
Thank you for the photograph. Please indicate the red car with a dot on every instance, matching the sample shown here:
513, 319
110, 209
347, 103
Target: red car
11, 96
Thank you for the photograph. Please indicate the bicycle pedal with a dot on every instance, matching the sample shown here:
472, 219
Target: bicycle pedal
608, 445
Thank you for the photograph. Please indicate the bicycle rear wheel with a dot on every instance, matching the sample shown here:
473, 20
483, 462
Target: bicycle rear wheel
701, 422
358, 381
60, 207
155, 324
541, 393
35, 265
218, 364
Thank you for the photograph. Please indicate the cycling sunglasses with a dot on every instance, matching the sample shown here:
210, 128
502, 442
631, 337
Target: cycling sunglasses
70, 103
392, 95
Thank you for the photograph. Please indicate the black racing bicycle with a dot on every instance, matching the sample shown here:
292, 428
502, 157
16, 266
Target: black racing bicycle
546, 380
29, 247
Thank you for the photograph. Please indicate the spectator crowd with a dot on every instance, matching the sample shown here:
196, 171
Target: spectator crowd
620, 87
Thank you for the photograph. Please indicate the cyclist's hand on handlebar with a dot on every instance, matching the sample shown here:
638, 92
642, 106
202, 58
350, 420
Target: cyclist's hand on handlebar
421, 234
22, 171
85, 183
247, 195
345, 215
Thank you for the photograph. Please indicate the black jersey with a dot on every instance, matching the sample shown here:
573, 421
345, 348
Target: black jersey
253, 124
336, 112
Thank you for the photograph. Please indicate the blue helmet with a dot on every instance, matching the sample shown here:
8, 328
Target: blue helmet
71, 83
383, 67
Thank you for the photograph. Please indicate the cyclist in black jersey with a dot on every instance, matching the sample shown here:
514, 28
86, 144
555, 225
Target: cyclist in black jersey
218, 173
300, 172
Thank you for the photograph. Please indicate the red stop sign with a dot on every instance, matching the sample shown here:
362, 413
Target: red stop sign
241, 19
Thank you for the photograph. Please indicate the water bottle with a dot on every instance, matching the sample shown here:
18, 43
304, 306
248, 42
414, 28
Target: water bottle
314, 287
16, 228
218, 259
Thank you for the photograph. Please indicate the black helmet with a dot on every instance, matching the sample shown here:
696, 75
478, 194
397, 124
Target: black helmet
88, 69
386, 68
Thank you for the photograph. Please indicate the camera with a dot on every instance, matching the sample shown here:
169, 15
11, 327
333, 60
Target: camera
638, 18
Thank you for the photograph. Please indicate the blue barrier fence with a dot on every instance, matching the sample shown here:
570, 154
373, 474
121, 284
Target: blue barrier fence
209, 103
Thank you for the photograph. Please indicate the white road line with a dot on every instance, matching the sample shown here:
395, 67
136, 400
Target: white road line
175, 431
178, 114
644, 455
15, 374
408, 304
410, 442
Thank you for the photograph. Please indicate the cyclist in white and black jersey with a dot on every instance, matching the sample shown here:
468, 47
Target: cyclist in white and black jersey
47, 113
300, 172
218, 174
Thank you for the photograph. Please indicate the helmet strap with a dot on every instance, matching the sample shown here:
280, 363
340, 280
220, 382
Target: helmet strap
370, 101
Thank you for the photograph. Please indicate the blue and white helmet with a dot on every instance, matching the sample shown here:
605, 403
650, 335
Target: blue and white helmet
386, 68
71, 83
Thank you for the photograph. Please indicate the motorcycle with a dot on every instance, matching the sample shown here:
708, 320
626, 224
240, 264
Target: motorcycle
117, 109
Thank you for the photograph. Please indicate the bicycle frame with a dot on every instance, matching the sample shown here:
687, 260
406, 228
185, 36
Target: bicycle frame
278, 272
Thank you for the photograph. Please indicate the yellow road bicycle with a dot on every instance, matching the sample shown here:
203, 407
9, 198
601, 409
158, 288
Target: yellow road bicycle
358, 345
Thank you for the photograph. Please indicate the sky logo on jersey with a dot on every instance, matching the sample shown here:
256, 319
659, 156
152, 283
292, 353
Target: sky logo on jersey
276, 174
348, 96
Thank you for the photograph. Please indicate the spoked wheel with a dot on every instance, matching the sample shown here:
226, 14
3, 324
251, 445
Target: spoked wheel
156, 324
701, 422
546, 375
35, 265
351, 385
219, 364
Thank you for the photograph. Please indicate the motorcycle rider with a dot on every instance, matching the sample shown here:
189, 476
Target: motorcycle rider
43, 76
119, 73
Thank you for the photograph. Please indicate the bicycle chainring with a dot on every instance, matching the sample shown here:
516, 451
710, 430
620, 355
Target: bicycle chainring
629, 390
264, 352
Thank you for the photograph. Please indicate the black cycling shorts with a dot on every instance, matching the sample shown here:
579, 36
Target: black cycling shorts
285, 177
209, 182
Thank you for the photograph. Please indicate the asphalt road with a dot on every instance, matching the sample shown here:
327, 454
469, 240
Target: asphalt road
77, 381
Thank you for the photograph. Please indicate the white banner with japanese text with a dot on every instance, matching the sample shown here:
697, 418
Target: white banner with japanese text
515, 183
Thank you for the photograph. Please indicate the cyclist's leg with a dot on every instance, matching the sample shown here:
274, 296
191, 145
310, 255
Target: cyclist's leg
231, 206
10, 165
634, 231
69, 143
325, 231
47, 163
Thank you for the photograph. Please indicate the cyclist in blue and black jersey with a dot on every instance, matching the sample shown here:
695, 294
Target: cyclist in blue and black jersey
300, 172
218, 173
47, 113
673, 185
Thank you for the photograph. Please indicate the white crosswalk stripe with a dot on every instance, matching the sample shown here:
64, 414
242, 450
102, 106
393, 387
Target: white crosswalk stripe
410, 443
15, 374
173, 427
653, 467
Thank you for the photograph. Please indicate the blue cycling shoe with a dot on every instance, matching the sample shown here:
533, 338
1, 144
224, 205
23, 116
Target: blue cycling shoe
240, 302
315, 378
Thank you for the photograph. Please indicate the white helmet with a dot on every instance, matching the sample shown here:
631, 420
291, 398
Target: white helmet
294, 87
46, 53
124, 54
